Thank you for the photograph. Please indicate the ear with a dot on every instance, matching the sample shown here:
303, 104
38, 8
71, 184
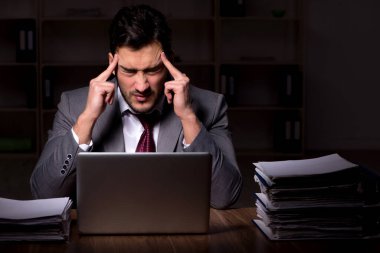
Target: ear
110, 58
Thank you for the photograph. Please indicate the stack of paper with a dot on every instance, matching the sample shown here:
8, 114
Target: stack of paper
35, 220
320, 198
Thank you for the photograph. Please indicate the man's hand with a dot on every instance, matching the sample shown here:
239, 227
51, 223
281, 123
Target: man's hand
177, 92
100, 94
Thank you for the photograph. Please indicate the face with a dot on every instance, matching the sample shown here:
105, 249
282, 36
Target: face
141, 76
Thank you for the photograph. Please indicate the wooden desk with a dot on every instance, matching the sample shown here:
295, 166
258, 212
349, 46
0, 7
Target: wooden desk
230, 231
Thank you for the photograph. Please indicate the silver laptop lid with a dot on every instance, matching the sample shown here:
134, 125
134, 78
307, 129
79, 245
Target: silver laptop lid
143, 192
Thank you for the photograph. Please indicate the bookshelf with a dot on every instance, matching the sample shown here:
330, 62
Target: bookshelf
261, 69
252, 53
19, 78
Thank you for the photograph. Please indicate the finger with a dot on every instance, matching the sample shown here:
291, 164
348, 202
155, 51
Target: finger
169, 94
107, 90
109, 98
107, 73
172, 70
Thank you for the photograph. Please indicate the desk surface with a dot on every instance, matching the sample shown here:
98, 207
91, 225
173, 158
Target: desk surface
230, 231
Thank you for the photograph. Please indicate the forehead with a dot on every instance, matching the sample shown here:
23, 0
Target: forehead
147, 56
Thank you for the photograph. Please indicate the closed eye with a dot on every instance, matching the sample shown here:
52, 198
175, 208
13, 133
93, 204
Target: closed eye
128, 71
154, 70
150, 71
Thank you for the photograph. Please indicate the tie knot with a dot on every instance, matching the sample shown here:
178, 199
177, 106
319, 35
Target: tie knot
147, 120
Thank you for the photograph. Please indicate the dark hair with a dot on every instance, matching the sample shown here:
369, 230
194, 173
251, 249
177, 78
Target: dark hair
137, 26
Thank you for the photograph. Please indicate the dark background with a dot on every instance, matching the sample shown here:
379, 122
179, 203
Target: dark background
341, 83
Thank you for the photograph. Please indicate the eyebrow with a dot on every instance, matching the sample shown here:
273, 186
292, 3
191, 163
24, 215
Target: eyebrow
151, 69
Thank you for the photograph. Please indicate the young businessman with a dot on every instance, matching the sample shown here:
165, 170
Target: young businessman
140, 80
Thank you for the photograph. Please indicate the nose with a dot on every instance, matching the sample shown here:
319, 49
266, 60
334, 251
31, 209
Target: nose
141, 82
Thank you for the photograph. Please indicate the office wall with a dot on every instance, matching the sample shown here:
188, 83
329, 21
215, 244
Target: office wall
342, 67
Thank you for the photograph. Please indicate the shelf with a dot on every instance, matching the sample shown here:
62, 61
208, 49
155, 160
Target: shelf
49, 111
18, 41
56, 79
109, 19
263, 108
18, 110
18, 9
18, 90
259, 51
66, 42
18, 155
14, 136
263, 153
188, 49
278, 131
105, 63
262, 85
266, 42
18, 64
45, 20
259, 61
189, 19
75, 64
276, 9
259, 19
194, 63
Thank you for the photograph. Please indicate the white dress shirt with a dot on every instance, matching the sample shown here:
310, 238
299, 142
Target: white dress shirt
132, 127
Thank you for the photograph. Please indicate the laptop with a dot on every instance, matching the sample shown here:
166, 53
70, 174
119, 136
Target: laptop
143, 193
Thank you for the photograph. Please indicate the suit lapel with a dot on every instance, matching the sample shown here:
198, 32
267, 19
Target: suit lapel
109, 130
170, 131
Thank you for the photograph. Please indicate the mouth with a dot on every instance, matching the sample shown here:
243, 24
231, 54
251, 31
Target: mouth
141, 98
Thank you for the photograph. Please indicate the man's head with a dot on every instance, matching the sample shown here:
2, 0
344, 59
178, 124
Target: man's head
137, 26
139, 34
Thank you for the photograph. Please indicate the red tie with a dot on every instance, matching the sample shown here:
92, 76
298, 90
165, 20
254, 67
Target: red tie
146, 142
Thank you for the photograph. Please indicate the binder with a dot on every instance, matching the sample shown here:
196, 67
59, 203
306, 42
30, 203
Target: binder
26, 41
47, 89
290, 88
288, 132
228, 85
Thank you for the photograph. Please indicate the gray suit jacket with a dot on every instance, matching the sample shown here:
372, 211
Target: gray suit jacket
55, 172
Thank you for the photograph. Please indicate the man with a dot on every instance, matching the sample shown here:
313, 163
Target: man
139, 81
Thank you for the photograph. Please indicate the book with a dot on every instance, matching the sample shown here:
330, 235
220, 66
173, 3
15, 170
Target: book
35, 220
290, 91
326, 197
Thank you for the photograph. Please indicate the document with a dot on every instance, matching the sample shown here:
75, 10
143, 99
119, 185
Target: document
35, 220
321, 198
270, 171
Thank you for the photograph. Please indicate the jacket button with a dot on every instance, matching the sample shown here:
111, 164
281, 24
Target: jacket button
69, 156
63, 171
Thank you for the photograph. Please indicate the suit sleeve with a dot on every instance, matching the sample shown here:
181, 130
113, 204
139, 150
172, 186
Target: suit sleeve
215, 138
54, 174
